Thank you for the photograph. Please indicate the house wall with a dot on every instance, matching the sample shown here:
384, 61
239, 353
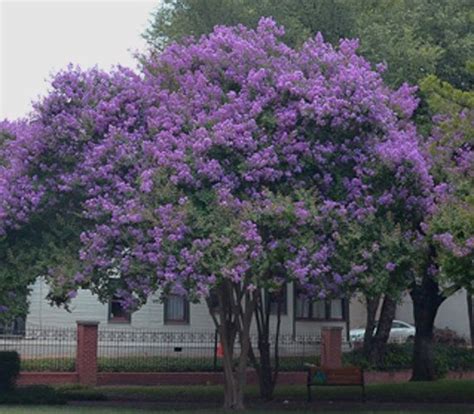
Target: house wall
86, 306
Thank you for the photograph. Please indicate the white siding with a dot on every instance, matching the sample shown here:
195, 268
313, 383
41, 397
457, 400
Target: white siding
151, 316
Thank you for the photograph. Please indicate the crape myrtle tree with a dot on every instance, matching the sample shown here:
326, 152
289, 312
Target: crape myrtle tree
226, 166
414, 38
13, 291
33, 242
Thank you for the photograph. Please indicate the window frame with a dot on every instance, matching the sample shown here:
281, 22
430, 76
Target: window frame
127, 319
185, 320
328, 314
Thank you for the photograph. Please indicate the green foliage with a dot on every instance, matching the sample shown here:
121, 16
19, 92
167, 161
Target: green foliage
175, 19
376, 242
33, 395
48, 241
48, 364
151, 364
452, 139
399, 357
9, 370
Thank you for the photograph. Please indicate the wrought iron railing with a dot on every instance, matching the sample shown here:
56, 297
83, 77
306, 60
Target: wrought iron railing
42, 348
126, 350
137, 350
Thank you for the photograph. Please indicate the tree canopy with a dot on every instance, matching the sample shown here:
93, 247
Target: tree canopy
230, 163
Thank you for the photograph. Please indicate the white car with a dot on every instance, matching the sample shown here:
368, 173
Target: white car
400, 332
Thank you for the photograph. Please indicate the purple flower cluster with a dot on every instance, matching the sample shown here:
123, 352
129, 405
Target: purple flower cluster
221, 156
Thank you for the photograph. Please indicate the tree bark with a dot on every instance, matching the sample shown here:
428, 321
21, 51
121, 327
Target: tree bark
427, 299
372, 305
470, 312
266, 371
235, 310
379, 344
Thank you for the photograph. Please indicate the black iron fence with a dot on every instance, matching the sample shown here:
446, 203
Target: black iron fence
42, 348
154, 351
132, 350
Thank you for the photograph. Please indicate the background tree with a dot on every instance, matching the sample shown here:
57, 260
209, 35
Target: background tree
452, 146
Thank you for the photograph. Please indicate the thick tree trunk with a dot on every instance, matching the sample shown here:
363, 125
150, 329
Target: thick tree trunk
427, 299
425, 314
372, 305
470, 312
387, 315
266, 371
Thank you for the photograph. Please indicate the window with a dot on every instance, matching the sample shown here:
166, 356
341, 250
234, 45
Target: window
276, 298
117, 313
307, 309
176, 310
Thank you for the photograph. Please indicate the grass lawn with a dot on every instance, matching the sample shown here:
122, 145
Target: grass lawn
447, 397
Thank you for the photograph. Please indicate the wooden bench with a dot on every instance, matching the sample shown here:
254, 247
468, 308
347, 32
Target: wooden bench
320, 376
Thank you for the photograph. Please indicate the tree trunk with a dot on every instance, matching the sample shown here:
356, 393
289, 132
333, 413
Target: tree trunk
372, 305
235, 309
387, 315
470, 312
427, 299
266, 372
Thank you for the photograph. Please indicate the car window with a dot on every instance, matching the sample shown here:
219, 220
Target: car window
397, 325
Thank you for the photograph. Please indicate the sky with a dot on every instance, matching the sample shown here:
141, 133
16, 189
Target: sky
38, 38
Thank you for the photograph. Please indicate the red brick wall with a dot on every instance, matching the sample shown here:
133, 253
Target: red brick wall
187, 378
331, 347
47, 378
86, 359
204, 378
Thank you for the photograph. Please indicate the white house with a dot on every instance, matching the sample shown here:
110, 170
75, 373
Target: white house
299, 316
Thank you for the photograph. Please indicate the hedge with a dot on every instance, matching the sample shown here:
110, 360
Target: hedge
9, 370
398, 357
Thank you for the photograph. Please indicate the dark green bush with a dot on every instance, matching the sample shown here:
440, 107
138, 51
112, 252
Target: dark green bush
399, 357
33, 395
9, 370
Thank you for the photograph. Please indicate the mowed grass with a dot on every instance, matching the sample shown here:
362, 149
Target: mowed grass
445, 396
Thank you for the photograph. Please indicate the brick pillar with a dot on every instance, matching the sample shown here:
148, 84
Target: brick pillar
331, 347
86, 357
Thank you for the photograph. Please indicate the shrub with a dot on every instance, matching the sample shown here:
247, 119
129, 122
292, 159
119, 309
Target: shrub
63, 364
9, 370
448, 337
399, 357
33, 395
